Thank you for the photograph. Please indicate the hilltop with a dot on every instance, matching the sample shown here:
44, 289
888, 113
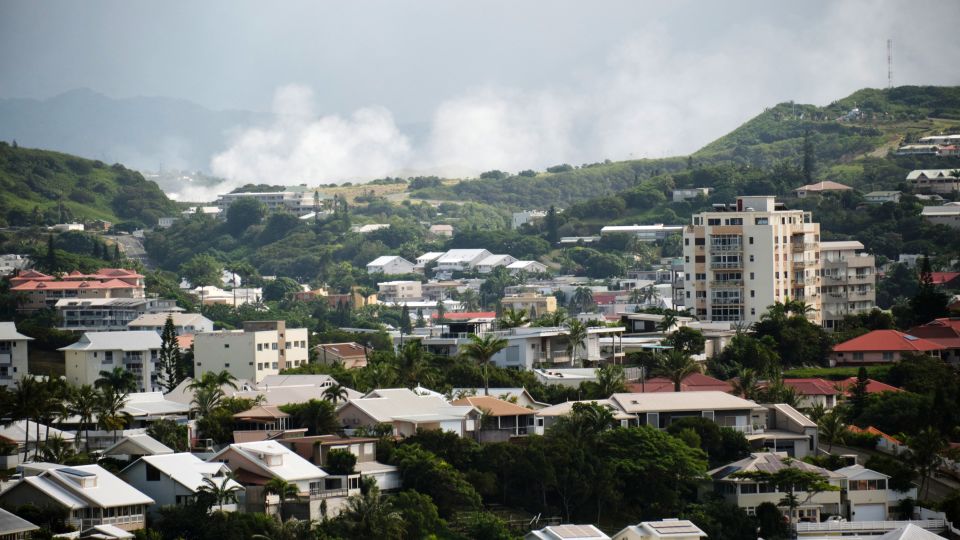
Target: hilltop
44, 187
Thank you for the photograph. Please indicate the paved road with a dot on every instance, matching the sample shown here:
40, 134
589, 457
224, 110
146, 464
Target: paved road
132, 247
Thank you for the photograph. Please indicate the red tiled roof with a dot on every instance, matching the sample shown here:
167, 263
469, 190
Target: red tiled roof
945, 333
873, 387
70, 285
185, 341
942, 278
467, 315
812, 387
603, 298
873, 431
887, 340
692, 382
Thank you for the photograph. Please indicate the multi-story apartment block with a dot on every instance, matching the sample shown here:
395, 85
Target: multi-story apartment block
183, 323
39, 291
137, 352
262, 348
940, 181
847, 281
534, 304
13, 354
398, 291
739, 259
295, 201
108, 314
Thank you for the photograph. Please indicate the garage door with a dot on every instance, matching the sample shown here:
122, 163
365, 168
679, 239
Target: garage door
870, 512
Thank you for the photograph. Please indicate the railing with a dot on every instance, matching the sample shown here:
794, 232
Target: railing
803, 264
726, 265
86, 523
802, 246
865, 526
553, 357
327, 493
727, 283
726, 247
748, 430
726, 301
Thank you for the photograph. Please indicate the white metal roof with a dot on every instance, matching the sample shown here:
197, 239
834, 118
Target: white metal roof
564, 409
945, 210
859, 472
680, 401
65, 485
134, 340
568, 532
929, 173
291, 468
495, 260
139, 444
386, 405
188, 470
520, 265
22, 431
667, 528
8, 332
841, 245
179, 319
153, 404
386, 259
462, 255
910, 532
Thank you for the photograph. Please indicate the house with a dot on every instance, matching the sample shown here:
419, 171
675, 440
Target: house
461, 260
11, 263
567, 532
210, 295
659, 409
749, 493
441, 229
519, 396
500, 419
89, 494
262, 348
814, 392
13, 527
880, 197
944, 332
488, 264
41, 291
527, 216
939, 181
948, 214
390, 265
183, 323
260, 418
644, 233
425, 259
695, 382
819, 188
881, 347
315, 449
530, 267
885, 443
108, 314
548, 416
255, 463
295, 199
682, 195
13, 354
138, 445
354, 299
946, 280
369, 228
25, 434
175, 479
352, 355
534, 304
272, 390
873, 386
407, 412
910, 532
398, 291
137, 352
866, 495
674, 529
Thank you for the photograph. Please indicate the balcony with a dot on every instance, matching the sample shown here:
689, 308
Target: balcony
799, 247
555, 357
804, 264
727, 283
748, 430
726, 265
726, 301
726, 247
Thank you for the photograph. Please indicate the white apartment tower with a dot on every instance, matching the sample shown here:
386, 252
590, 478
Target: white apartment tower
848, 281
739, 259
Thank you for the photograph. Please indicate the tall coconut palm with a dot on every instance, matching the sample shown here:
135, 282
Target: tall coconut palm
206, 400
610, 380
513, 318
210, 379
676, 366
368, 515
576, 334
118, 381
745, 384
481, 350
57, 450
27, 404
555, 319
832, 429
110, 413
335, 393
582, 299
83, 403
668, 321
223, 492
282, 489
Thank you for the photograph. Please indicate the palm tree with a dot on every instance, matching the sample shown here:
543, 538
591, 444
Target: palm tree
610, 379
746, 383
367, 515
576, 334
27, 404
676, 366
214, 380
555, 319
481, 350
206, 400
924, 454
83, 403
57, 450
282, 489
110, 412
117, 381
513, 318
798, 307
380, 374
832, 429
668, 321
223, 492
335, 393
582, 298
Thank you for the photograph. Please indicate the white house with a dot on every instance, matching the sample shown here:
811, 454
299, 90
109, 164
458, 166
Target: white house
137, 445
880, 197
459, 260
89, 493
175, 479
567, 532
948, 214
530, 267
407, 412
183, 323
681, 195
425, 259
867, 495
12, 262
13, 354
442, 229
262, 348
389, 265
674, 529
488, 264
137, 352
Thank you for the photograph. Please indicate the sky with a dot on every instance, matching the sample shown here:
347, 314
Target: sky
495, 84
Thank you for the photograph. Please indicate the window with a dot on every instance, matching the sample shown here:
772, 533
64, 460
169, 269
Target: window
888, 356
761, 221
753, 293
713, 221
688, 294
259, 346
686, 258
751, 240
701, 277
226, 345
259, 365
274, 365
748, 488
701, 294
273, 346
751, 275
226, 364
153, 474
736, 221
751, 258
699, 241
858, 356
686, 241
107, 357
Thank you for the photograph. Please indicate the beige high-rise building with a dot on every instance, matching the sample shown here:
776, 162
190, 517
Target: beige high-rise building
262, 348
847, 281
741, 258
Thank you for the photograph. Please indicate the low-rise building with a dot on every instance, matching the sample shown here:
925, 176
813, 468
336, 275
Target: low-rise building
108, 314
948, 214
461, 260
425, 259
89, 494
136, 352
407, 412
939, 181
534, 304
944, 331
40, 291
488, 264
644, 233
819, 188
176, 479
11, 263
351, 355
567, 532
813, 392
13, 354
527, 216
674, 529
881, 347
530, 267
880, 197
441, 229
13, 527
867, 496
500, 419
398, 291
183, 323
316, 450
262, 348
687, 194
390, 265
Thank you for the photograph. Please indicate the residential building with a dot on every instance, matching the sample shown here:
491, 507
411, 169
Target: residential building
739, 259
40, 291
530, 267
175, 479
814, 392
135, 446
918, 150
166, 222
488, 264
749, 493
439, 290
24, 433
527, 216
107, 314
674, 529
944, 331
519, 396
873, 387
461, 260
67, 227
407, 412
682, 195
425, 259
945, 280
398, 291
948, 214
11, 263
548, 416
351, 355
316, 450
354, 299
13, 527
500, 419
881, 347
369, 228
210, 295
644, 233
647, 323
183, 323
390, 265
272, 390
295, 201
89, 494
695, 382
880, 197
567, 532
660, 409
442, 229
255, 463
257, 420
866, 495
847, 281
13, 354
136, 352
534, 304
939, 181
885, 443
819, 188
262, 348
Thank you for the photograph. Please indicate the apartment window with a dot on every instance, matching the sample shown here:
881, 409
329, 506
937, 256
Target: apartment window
273, 346
107, 357
713, 221
259, 346
700, 259
288, 345
751, 275
701, 294
736, 221
753, 311
226, 345
686, 241
226, 364
753, 293
751, 240
761, 221
259, 365
701, 277
688, 277
686, 258
777, 275
274, 365
688, 294
751, 258
699, 241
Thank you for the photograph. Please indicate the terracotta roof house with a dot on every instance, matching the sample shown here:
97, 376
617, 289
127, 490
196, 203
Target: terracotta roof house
352, 355
500, 419
949, 280
885, 443
691, 383
873, 386
881, 347
945, 332
819, 188
262, 418
41, 291
814, 391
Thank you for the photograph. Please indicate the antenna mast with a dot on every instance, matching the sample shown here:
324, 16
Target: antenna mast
889, 63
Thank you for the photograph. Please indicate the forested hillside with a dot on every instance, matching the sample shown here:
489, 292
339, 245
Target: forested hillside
39, 187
